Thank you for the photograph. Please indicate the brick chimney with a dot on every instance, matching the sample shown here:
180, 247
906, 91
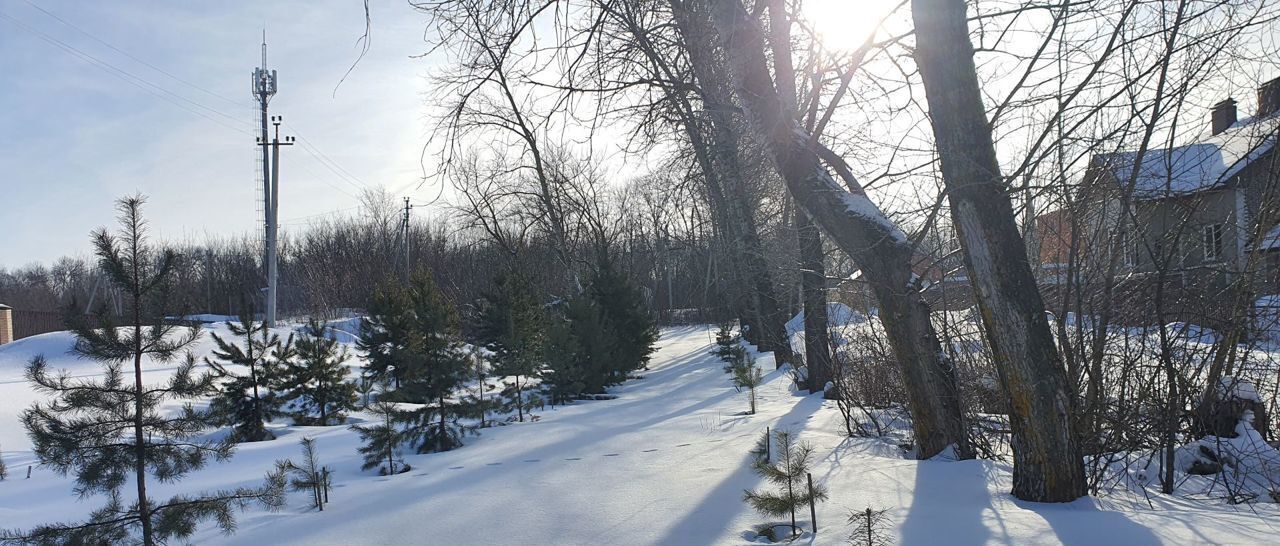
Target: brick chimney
1269, 98
1224, 116
6, 324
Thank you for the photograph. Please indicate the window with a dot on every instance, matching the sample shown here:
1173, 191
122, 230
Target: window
1129, 247
1211, 239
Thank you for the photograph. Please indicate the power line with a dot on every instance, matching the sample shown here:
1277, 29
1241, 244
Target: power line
299, 220
128, 77
328, 162
311, 149
131, 56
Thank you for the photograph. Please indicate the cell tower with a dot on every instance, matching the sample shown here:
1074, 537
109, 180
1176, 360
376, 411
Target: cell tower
263, 88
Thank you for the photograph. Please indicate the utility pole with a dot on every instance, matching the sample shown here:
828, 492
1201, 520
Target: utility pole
273, 220
263, 88
404, 226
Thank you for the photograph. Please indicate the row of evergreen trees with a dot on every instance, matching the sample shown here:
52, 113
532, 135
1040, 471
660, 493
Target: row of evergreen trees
564, 349
111, 432
304, 378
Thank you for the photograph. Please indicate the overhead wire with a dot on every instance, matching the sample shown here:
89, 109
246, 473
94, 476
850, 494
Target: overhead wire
133, 79
172, 97
131, 56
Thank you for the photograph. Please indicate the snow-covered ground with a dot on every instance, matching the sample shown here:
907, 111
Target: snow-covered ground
664, 463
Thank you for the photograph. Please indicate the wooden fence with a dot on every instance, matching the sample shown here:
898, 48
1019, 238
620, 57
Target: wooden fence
27, 323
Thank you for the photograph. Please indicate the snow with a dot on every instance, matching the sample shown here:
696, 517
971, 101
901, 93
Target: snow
840, 318
1199, 166
1233, 388
860, 205
664, 463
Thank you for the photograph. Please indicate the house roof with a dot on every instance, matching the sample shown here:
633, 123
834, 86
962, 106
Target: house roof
1206, 164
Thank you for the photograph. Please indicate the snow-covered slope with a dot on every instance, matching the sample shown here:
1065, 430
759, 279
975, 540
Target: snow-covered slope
664, 463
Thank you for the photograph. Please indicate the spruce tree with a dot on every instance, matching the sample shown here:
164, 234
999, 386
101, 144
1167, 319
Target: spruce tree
511, 325
596, 348
4, 470
246, 399
562, 376
726, 340
625, 320
313, 380
109, 431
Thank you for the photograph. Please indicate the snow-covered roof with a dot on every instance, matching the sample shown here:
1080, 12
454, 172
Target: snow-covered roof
1270, 241
1199, 166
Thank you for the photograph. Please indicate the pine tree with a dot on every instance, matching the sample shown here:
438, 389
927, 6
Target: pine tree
562, 376
625, 319
790, 474
869, 528
510, 323
479, 401
107, 432
310, 476
246, 400
313, 379
726, 340
4, 470
745, 374
382, 440
419, 334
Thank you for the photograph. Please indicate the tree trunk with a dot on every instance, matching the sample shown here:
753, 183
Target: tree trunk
852, 222
813, 282
139, 438
1047, 463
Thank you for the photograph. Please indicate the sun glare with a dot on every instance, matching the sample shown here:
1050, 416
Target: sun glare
843, 25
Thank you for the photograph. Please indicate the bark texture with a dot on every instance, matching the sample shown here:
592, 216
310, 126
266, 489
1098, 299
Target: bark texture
813, 287
1047, 462
726, 50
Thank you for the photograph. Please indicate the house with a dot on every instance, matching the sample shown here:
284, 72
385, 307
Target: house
1194, 216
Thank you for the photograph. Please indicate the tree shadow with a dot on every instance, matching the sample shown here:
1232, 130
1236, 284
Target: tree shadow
1083, 521
953, 503
947, 504
708, 521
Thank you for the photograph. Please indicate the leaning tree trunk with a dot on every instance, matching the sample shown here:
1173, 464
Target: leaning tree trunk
813, 286
732, 71
1047, 463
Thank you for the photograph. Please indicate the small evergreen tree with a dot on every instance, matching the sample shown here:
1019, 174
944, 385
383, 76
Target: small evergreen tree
313, 380
364, 386
562, 375
107, 432
382, 440
745, 375
4, 470
595, 346
246, 400
480, 402
625, 319
726, 340
869, 528
511, 324
789, 473
310, 476
429, 365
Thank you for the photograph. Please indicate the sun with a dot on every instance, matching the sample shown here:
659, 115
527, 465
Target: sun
843, 25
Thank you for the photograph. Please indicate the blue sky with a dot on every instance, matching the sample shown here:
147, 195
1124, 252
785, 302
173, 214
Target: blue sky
76, 136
